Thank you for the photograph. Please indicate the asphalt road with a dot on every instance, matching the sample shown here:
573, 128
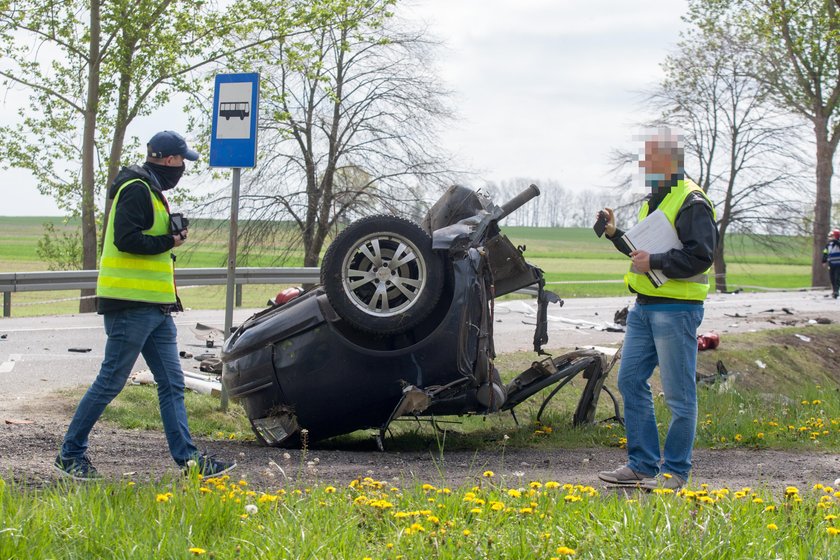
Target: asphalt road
35, 355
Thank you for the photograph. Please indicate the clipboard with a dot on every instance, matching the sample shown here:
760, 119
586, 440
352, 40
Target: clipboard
654, 234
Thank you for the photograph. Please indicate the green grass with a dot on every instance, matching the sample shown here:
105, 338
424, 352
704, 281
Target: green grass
222, 518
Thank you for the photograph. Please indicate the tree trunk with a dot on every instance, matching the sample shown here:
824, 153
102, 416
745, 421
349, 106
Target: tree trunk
822, 207
87, 303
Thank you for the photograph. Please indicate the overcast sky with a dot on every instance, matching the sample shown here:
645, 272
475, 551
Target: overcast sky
542, 88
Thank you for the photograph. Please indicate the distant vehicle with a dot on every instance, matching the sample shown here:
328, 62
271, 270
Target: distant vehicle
401, 325
228, 109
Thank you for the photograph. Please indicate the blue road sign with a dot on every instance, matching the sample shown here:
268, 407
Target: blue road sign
233, 141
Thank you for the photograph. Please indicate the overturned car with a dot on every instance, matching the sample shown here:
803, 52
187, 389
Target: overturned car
401, 325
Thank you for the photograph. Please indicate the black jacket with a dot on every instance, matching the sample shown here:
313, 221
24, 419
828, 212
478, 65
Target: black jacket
133, 214
698, 233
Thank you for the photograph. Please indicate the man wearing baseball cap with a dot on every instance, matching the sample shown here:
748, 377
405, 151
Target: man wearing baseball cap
136, 296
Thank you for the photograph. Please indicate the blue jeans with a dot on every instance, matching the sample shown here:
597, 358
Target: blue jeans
664, 335
149, 331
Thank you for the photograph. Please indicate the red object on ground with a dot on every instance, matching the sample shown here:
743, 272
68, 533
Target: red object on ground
708, 341
284, 296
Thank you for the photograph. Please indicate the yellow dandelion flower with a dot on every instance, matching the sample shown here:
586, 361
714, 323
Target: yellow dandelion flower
757, 501
163, 497
535, 484
513, 493
417, 527
497, 506
760, 435
565, 551
830, 517
466, 532
197, 551
551, 484
791, 491
770, 508
427, 487
772, 526
329, 490
488, 474
526, 510
475, 510
833, 531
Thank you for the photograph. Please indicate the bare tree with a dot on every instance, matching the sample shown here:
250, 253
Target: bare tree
737, 144
349, 118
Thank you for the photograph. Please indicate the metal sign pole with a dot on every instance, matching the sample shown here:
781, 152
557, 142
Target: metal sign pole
231, 268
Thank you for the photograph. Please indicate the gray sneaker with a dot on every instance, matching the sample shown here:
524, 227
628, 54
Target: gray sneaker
78, 469
623, 475
663, 481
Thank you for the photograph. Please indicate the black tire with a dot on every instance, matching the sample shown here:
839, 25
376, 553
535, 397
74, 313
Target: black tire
372, 292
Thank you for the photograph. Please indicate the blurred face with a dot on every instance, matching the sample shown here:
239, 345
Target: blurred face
660, 162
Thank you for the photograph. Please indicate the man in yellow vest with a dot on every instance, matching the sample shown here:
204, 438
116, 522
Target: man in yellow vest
662, 325
136, 296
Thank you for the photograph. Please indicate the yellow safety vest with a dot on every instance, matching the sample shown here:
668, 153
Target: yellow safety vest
132, 277
694, 288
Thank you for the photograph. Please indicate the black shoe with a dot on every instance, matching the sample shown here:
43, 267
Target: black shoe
77, 469
207, 465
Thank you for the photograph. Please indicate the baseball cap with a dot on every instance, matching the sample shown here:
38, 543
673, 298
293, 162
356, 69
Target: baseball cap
169, 143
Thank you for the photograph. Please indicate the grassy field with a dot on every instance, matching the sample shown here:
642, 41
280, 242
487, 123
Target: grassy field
575, 262
792, 403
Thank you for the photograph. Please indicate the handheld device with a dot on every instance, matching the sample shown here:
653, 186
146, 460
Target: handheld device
601, 224
177, 224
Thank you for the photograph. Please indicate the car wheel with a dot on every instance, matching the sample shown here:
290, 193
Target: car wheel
381, 275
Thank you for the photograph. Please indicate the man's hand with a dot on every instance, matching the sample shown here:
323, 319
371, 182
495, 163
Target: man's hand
610, 229
641, 260
179, 238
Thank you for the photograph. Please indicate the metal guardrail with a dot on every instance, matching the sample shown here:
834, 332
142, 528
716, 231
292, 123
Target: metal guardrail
11, 282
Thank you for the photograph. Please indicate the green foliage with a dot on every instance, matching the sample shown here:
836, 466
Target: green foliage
61, 251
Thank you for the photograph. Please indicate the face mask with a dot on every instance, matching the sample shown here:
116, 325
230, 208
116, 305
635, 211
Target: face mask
168, 176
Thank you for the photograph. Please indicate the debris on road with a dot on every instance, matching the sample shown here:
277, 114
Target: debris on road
79, 350
708, 341
802, 337
204, 384
208, 334
761, 364
620, 317
3, 336
211, 365
185, 354
15, 422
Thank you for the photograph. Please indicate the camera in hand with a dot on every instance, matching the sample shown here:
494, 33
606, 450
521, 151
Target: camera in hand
601, 225
177, 224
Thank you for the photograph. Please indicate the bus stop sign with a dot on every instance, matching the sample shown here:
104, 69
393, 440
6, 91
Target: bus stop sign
233, 141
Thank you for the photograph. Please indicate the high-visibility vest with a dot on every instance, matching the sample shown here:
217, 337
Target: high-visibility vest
694, 288
133, 277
